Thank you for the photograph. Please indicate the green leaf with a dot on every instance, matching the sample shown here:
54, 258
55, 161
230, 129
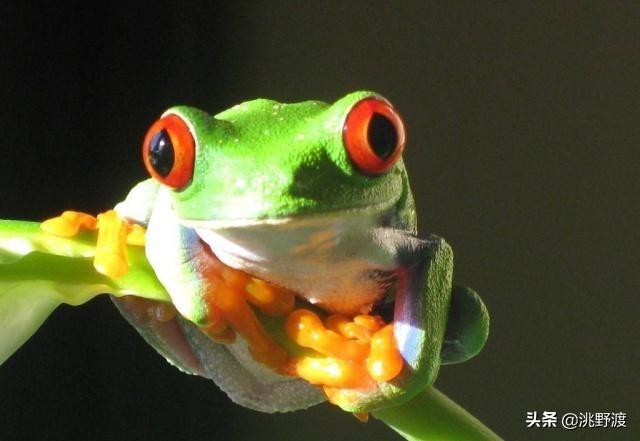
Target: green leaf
432, 416
39, 271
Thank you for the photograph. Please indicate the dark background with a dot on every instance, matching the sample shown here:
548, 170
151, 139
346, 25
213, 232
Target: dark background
523, 148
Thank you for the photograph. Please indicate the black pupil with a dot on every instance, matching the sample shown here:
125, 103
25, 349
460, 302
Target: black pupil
382, 136
161, 153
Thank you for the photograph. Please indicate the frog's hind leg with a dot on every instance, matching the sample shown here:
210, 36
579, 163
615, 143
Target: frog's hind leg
467, 326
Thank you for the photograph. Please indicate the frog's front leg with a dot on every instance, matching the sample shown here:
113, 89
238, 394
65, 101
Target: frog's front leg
462, 309
116, 228
208, 293
114, 233
422, 290
422, 302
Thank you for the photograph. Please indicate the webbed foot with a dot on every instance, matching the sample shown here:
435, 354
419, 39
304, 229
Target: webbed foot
114, 233
351, 353
228, 295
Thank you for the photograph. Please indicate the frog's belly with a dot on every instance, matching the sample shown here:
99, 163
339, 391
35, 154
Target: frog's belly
341, 264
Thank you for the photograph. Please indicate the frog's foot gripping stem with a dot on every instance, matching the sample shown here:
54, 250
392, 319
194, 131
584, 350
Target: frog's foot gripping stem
228, 295
114, 233
350, 353
336, 351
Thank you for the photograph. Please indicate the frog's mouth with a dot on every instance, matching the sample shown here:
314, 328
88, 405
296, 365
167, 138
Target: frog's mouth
371, 210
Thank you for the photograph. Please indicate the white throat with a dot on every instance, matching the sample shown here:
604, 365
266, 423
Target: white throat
334, 259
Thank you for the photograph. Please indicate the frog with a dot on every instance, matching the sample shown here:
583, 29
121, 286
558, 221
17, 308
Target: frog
313, 198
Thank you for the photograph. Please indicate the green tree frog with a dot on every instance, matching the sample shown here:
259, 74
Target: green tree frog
310, 197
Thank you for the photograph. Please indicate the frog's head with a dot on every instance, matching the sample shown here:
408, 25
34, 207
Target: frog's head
262, 160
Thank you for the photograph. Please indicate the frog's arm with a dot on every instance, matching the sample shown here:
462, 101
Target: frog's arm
428, 414
467, 326
431, 415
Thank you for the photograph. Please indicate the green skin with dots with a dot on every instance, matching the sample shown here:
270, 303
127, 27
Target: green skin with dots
257, 165
262, 160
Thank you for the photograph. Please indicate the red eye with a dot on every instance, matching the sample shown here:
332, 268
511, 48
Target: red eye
373, 135
168, 152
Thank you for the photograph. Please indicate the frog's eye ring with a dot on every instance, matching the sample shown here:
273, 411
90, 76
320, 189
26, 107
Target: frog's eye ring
373, 135
168, 152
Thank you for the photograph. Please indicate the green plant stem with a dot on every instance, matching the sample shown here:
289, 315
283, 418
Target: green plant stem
432, 416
